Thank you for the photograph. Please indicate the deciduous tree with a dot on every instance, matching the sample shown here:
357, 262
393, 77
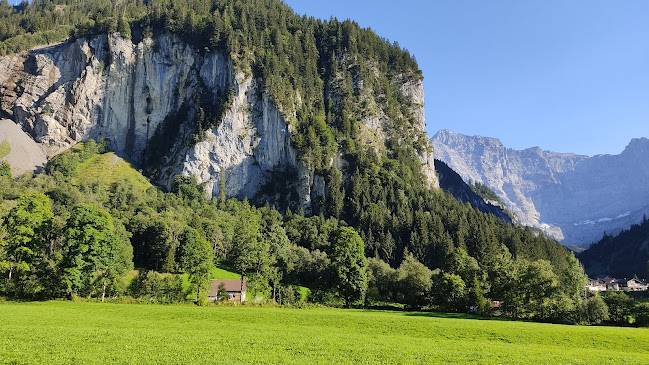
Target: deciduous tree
349, 263
26, 226
196, 258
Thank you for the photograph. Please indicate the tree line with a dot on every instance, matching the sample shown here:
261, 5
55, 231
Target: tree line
66, 236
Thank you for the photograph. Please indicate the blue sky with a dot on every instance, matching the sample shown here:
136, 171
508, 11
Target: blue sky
568, 76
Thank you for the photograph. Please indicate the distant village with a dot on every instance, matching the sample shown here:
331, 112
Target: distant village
608, 283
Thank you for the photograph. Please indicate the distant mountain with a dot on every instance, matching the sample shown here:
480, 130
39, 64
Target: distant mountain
451, 182
621, 256
573, 198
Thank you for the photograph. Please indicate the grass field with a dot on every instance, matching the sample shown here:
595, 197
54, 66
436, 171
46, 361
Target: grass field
108, 168
68, 332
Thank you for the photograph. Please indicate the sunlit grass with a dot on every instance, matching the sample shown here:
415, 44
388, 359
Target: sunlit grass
108, 168
68, 332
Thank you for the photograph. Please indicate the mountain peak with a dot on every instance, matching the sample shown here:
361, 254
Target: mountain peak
448, 135
638, 144
556, 192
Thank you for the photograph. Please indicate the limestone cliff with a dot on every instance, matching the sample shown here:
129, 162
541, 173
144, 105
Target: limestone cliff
109, 87
571, 197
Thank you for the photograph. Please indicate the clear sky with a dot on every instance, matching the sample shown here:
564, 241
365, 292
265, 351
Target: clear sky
565, 75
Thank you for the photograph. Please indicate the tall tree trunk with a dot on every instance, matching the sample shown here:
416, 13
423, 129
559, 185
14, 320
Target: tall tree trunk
103, 290
256, 281
241, 295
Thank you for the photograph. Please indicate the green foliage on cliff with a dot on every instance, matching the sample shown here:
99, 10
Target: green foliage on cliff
323, 75
484, 192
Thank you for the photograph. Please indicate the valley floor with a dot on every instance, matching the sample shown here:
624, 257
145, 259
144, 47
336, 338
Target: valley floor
69, 332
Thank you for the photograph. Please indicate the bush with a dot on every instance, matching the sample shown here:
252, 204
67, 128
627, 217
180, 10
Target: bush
593, 310
642, 315
620, 308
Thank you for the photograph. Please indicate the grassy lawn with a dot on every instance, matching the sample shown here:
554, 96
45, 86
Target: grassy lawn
68, 332
219, 273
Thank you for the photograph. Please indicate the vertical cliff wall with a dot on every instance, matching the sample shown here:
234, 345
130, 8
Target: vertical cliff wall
108, 87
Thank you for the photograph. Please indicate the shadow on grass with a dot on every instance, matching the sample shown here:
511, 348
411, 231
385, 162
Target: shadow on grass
413, 312
460, 316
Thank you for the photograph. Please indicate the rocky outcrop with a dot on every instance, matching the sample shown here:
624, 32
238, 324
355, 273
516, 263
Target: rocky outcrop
106, 87
452, 183
109, 87
414, 89
573, 198
249, 149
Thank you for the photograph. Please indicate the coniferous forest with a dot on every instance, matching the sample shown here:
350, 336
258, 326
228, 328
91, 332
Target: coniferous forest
380, 237
624, 255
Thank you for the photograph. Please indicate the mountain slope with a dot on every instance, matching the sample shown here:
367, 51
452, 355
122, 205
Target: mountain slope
19, 150
451, 182
571, 197
622, 256
186, 96
253, 100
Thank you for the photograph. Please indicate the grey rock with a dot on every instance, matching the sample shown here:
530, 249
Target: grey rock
572, 198
25, 155
108, 87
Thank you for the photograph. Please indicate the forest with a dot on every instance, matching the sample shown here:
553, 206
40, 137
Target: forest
379, 235
624, 255
72, 233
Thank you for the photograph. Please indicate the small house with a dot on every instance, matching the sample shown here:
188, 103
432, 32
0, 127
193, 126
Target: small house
596, 285
632, 285
235, 291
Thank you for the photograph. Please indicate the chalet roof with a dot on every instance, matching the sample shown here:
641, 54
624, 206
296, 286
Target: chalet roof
232, 286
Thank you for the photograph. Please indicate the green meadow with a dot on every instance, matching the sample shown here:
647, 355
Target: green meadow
108, 168
94, 333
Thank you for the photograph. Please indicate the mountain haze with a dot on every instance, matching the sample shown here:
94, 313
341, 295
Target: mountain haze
573, 198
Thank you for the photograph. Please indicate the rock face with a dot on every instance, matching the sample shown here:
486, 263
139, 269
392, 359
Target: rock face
415, 91
573, 198
109, 87
451, 182
105, 87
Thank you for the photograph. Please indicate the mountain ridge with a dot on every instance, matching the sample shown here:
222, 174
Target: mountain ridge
573, 198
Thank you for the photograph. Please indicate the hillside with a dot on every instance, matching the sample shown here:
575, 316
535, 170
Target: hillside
573, 198
623, 255
108, 169
451, 182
